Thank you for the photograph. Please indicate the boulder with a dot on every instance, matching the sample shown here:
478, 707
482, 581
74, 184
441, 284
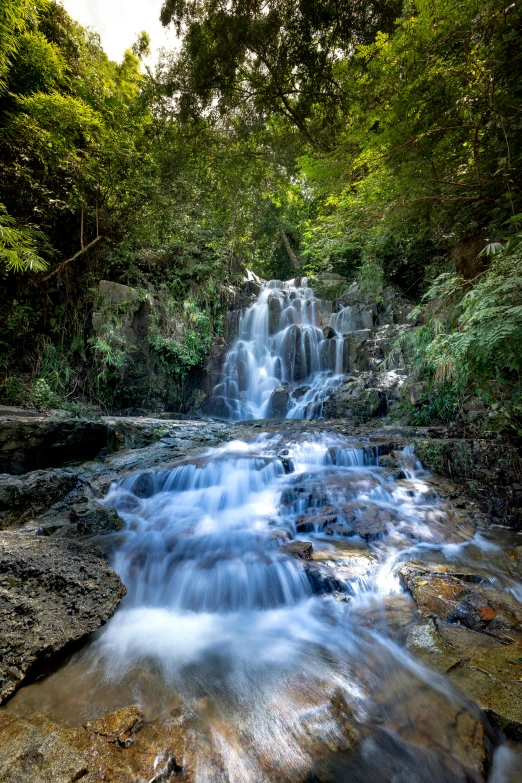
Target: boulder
365, 395
93, 518
279, 403
329, 333
464, 596
36, 490
275, 308
52, 594
352, 318
480, 665
493, 679
117, 293
300, 392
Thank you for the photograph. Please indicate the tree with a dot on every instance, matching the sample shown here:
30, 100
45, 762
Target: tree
274, 56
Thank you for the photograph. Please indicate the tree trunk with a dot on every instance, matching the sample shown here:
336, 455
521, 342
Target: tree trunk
291, 255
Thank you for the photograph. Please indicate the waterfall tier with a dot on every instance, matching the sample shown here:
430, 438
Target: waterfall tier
280, 348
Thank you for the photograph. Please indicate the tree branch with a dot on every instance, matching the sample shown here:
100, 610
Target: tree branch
72, 258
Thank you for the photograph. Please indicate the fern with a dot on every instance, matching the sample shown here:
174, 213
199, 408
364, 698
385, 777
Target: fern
18, 246
472, 331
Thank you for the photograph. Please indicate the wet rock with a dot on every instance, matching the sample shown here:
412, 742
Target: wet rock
300, 549
119, 748
493, 678
335, 489
81, 519
143, 486
489, 469
218, 407
52, 594
300, 392
275, 307
415, 489
391, 615
325, 580
36, 490
364, 395
93, 518
37, 750
425, 642
316, 519
329, 333
480, 665
126, 503
464, 596
442, 525
454, 733
280, 536
279, 403
343, 561
352, 318
358, 453
368, 528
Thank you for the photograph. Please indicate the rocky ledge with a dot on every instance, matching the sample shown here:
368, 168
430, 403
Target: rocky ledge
52, 595
55, 585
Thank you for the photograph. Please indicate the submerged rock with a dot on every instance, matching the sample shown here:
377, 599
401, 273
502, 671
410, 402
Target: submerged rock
120, 748
52, 594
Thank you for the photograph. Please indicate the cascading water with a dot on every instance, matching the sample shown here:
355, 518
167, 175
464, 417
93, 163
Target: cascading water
279, 344
287, 669
266, 609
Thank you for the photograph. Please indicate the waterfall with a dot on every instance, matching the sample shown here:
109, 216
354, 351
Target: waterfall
281, 364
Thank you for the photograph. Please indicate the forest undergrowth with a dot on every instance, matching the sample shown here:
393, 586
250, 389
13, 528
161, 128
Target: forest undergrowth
381, 141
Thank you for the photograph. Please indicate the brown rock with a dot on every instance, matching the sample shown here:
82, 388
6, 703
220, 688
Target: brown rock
493, 678
301, 549
119, 748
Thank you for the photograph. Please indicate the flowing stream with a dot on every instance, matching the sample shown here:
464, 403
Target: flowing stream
290, 662
291, 669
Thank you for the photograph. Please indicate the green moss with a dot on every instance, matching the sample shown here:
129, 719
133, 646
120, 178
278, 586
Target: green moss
431, 454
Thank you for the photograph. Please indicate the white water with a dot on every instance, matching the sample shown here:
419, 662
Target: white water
220, 620
288, 671
279, 342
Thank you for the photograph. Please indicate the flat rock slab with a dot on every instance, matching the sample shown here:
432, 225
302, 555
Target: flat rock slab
29, 443
52, 594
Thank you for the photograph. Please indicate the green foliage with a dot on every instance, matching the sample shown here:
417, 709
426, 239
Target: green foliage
13, 390
431, 141
19, 245
41, 396
367, 139
471, 338
438, 404
14, 18
276, 57
181, 353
